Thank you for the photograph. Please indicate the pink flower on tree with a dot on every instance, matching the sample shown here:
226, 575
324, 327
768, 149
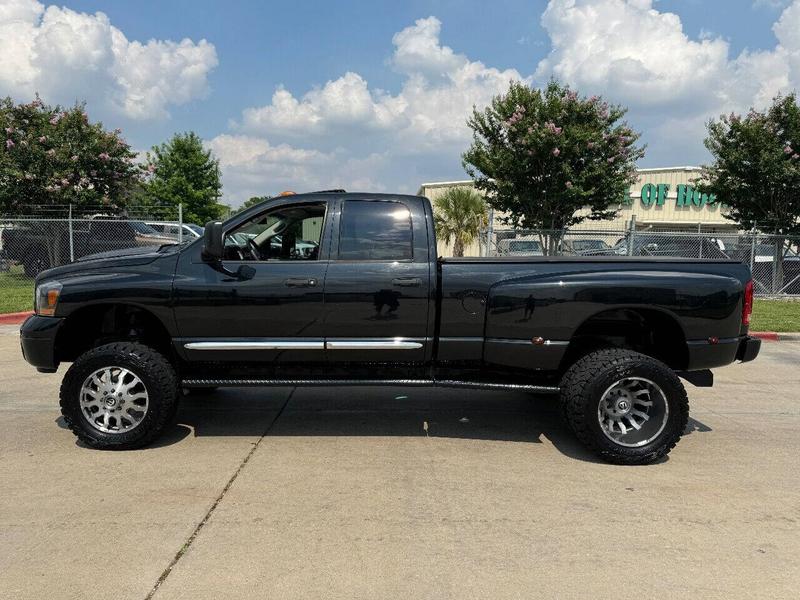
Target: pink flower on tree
65, 182
104, 156
74, 158
42, 139
55, 119
788, 150
9, 130
51, 152
151, 168
9, 144
569, 185
556, 151
795, 156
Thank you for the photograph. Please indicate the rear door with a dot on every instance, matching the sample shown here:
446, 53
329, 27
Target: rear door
377, 288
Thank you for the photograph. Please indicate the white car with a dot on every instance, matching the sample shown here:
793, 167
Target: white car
190, 230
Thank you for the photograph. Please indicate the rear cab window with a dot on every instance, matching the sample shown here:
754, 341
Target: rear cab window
375, 230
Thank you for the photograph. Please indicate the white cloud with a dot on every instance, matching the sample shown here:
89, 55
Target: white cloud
345, 133
66, 56
372, 138
638, 56
437, 95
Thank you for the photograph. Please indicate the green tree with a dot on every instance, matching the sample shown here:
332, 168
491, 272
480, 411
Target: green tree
459, 215
53, 157
251, 202
550, 159
756, 171
181, 171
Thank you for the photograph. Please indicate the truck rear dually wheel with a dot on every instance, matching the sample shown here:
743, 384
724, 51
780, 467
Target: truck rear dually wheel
119, 396
624, 406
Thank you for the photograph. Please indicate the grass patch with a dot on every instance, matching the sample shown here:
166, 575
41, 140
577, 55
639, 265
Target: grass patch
775, 315
16, 291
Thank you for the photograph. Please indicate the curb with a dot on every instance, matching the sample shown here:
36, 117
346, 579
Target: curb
774, 336
14, 318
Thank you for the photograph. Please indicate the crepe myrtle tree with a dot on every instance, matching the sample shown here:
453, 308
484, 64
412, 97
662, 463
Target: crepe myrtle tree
551, 159
756, 171
52, 157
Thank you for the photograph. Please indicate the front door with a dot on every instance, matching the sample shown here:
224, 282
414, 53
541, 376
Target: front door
263, 302
378, 285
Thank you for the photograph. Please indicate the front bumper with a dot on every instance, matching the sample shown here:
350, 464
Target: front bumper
37, 336
748, 349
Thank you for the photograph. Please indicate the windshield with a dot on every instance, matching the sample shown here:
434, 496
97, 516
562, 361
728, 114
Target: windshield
524, 246
140, 227
589, 245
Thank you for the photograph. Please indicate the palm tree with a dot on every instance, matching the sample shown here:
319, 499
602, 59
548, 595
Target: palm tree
459, 215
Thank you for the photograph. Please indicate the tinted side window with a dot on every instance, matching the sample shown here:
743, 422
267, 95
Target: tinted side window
375, 231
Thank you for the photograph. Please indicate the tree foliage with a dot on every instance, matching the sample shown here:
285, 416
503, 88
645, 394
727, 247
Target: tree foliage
541, 156
459, 215
181, 171
53, 156
251, 202
756, 168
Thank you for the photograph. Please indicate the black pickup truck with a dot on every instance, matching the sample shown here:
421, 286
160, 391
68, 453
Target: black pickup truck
353, 294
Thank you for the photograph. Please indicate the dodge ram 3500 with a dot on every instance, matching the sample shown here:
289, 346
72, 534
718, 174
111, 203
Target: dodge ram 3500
345, 289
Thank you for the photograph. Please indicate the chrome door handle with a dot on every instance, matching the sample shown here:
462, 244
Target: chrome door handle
407, 281
299, 282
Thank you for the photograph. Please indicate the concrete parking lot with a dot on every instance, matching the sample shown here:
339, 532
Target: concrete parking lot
401, 493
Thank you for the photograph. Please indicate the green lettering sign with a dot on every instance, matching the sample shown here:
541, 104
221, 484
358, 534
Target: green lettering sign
649, 193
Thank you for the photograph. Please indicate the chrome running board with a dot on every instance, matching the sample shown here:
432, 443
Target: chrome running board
450, 383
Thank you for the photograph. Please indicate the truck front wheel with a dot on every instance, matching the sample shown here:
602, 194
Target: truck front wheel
626, 407
119, 396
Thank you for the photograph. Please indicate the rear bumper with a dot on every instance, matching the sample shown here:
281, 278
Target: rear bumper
703, 354
37, 337
749, 348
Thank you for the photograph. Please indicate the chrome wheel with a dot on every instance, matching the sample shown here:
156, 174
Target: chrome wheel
114, 400
633, 412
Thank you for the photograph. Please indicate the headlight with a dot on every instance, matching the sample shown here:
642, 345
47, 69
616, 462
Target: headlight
46, 298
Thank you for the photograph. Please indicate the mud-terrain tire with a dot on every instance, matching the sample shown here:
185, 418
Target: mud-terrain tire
119, 396
626, 407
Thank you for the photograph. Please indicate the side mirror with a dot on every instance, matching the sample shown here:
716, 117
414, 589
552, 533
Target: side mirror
212, 241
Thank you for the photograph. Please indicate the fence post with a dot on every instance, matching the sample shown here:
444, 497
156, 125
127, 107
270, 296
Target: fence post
489, 232
752, 248
180, 223
700, 239
631, 234
71, 237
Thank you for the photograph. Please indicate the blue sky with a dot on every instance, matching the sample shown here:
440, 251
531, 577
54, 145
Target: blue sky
373, 95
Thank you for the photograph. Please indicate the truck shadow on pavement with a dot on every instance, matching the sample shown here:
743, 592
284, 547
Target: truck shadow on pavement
367, 412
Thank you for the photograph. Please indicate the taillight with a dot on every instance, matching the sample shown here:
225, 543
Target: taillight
747, 307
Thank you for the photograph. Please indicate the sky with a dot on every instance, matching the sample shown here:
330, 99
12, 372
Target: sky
374, 96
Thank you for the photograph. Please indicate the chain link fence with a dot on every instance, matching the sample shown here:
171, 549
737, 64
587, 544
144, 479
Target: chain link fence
54, 236
773, 260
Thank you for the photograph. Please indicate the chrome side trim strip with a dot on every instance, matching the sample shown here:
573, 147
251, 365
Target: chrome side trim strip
258, 345
526, 342
304, 382
376, 344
